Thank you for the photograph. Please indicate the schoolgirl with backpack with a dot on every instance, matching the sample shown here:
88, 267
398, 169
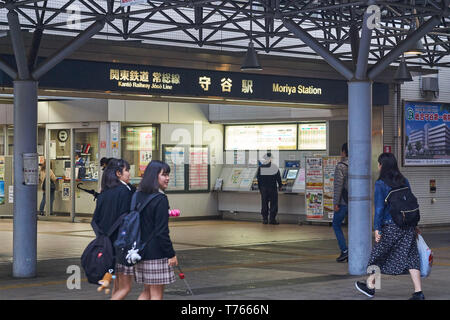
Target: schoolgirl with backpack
113, 203
395, 250
157, 257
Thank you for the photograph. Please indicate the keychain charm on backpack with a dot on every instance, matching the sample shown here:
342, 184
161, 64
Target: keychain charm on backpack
133, 256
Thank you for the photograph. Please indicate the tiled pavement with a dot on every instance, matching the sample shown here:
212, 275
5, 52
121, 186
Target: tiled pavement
224, 260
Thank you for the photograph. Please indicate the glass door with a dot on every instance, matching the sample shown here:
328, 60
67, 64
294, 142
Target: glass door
86, 171
55, 173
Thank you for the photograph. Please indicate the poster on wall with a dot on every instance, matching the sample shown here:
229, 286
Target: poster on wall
2, 168
426, 134
11, 194
329, 165
2, 192
174, 157
198, 168
314, 204
145, 149
65, 191
314, 188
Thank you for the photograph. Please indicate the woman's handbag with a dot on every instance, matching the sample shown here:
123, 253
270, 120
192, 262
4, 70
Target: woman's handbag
52, 186
425, 256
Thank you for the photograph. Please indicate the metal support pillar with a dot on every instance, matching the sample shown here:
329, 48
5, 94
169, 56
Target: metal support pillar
25, 138
359, 179
25, 196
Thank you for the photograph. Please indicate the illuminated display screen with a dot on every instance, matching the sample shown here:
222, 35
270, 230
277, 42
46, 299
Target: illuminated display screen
312, 136
292, 174
261, 137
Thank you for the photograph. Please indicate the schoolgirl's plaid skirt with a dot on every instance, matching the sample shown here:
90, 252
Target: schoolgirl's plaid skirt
154, 272
128, 271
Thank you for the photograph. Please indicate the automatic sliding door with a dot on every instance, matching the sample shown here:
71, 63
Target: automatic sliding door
86, 162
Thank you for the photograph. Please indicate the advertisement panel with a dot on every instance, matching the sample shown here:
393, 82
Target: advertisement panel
426, 135
329, 166
314, 188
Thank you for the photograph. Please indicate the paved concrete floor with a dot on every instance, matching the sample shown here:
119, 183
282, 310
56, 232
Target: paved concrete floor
224, 260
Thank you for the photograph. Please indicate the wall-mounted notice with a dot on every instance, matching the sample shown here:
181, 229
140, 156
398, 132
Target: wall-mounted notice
314, 188
11, 194
52, 149
65, 191
329, 165
2, 168
174, 157
198, 168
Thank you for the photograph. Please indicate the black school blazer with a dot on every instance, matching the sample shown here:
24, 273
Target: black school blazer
111, 204
155, 222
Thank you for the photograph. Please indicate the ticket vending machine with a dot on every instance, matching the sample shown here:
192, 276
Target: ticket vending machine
289, 175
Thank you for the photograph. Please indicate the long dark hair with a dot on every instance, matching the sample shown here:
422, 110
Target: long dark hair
109, 177
389, 172
149, 183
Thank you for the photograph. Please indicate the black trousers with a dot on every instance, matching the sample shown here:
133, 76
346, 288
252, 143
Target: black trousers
269, 203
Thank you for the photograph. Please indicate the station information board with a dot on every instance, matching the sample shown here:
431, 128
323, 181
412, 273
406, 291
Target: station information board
312, 136
198, 168
174, 157
261, 137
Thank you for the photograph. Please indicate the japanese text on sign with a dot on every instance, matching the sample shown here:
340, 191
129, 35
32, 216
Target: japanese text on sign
144, 79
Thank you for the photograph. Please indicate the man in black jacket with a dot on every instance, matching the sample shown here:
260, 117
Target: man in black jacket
268, 177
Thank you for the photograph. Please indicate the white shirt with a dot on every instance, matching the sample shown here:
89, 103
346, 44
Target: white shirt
125, 184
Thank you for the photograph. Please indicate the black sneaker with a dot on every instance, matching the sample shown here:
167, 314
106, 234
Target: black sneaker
362, 287
274, 222
417, 296
265, 221
343, 257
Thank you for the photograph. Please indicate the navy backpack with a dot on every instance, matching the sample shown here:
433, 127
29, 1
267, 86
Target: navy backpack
98, 257
129, 244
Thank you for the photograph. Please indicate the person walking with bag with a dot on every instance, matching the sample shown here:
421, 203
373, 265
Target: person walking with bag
113, 201
395, 251
155, 270
340, 201
52, 188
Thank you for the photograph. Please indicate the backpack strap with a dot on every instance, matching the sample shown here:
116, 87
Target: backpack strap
133, 206
141, 205
394, 190
116, 224
96, 228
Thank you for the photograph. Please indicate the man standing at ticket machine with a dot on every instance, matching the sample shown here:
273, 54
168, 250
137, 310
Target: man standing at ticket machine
268, 177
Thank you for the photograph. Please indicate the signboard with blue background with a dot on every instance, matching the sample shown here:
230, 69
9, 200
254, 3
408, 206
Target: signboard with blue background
426, 134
